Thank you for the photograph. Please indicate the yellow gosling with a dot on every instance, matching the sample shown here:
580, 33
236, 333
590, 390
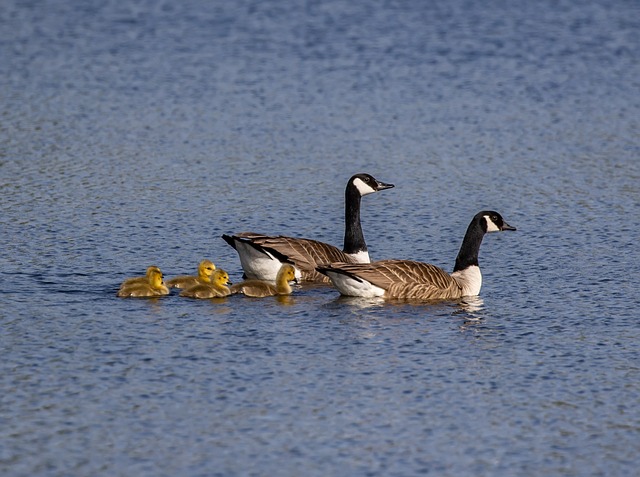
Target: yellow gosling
217, 288
145, 279
205, 270
259, 288
154, 287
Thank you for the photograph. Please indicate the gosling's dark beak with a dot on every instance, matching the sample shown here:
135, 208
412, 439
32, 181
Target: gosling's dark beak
383, 185
506, 226
296, 281
229, 282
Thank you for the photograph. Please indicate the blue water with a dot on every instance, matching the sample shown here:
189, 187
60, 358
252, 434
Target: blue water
136, 134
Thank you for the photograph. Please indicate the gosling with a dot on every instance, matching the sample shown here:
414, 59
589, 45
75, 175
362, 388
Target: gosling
138, 280
217, 288
260, 289
205, 270
154, 287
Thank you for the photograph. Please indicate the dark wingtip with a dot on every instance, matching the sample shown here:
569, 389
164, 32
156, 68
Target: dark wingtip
229, 239
322, 270
326, 269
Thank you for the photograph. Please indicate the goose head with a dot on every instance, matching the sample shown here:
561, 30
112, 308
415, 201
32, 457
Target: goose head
367, 184
482, 223
492, 221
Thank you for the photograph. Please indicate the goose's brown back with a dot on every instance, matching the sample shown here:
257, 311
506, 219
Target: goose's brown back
305, 254
405, 279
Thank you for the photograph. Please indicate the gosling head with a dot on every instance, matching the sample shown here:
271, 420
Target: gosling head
220, 277
206, 268
288, 273
151, 270
156, 278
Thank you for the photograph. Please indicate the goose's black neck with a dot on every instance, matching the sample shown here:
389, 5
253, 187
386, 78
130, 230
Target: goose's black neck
353, 236
468, 254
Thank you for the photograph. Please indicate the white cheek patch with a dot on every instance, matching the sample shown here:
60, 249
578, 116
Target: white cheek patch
491, 226
362, 187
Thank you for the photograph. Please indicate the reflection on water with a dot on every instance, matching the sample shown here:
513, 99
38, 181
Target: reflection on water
471, 307
360, 302
285, 300
471, 304
472, 310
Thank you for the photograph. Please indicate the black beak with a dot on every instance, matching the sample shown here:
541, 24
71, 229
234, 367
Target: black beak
506, 226
383, 186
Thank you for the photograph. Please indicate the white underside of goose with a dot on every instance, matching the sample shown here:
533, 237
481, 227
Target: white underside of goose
350, 286
260, 265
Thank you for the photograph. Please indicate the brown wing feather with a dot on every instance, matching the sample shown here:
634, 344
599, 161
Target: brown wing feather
305, 254
423, 291
406, 279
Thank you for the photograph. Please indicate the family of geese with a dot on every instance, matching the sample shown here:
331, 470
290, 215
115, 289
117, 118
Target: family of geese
270, 263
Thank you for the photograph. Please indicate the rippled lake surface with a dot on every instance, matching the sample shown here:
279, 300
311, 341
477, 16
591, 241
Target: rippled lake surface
137, 133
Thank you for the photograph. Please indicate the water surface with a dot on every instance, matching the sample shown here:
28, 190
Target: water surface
137, 134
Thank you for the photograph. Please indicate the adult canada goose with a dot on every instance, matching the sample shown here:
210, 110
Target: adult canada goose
262, 255
145, 279
417, 280
205, 269
154, 286
260, 288
217, 288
